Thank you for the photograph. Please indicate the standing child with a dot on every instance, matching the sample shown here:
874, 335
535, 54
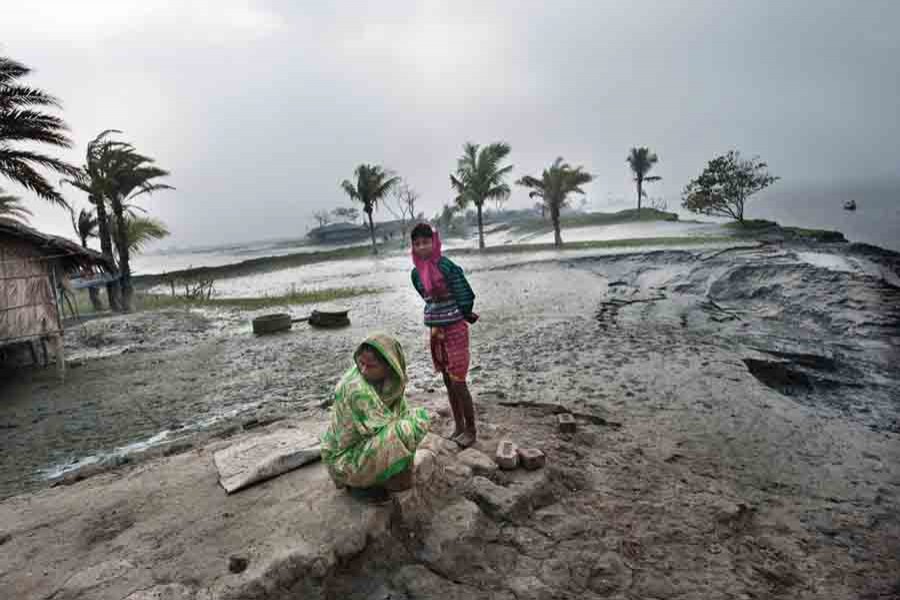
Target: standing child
448, 312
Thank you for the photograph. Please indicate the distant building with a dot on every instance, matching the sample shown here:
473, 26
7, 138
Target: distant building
34, 269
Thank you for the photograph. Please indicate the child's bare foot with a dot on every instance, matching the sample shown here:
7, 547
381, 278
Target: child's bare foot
466, 439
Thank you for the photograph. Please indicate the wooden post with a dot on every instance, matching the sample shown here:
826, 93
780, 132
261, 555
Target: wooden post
57, 341
32, 345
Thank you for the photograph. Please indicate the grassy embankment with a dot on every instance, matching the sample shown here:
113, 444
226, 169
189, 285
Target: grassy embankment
761, 227
146, 301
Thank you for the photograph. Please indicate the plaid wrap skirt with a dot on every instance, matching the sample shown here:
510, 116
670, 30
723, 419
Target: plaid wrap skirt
450, 350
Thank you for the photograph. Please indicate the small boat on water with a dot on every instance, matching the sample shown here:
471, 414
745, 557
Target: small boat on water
850, 205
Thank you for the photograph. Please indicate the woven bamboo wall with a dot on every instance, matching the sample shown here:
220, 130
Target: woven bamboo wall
27, 300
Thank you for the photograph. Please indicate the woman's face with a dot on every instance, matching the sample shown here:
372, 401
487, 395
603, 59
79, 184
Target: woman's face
372, 367
423, 247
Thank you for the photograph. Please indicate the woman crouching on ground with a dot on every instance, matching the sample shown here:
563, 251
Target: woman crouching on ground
371, 442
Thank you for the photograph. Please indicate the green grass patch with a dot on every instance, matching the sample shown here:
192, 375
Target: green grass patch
760, 226
751, 225
263, 264
817, 235
144, 301
591, 219
590, 245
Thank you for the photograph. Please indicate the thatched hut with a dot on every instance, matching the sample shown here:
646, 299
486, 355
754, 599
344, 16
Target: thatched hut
34, 269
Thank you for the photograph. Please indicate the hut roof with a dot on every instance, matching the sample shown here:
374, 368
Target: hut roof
68, 252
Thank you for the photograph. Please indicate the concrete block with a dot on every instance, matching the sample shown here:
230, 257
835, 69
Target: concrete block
566, 423
507, 455
532, 458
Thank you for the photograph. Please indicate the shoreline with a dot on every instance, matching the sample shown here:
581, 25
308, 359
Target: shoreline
732, 232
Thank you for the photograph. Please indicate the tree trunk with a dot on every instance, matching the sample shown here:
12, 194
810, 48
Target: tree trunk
124, 258
93, 292
372, 231
640, 193
480, 228
112, 288
557, 234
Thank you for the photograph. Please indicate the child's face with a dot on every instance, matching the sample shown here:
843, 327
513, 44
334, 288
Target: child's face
423, 247
371, 366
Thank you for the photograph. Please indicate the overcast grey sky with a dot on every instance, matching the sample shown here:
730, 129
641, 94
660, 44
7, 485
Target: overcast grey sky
260, 109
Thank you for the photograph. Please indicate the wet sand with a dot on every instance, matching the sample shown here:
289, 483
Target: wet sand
753, 377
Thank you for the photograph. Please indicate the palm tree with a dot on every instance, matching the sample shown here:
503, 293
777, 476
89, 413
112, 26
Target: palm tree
641, 161
553, 187
85, 226
140, 230
113, 176
12, 209
129, 175
373, 183
22, 121
479, 177
91, 179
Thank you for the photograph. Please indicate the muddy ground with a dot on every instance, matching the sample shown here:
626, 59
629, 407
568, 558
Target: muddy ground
738, 437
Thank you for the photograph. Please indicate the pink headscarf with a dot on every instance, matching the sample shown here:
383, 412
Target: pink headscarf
429, 273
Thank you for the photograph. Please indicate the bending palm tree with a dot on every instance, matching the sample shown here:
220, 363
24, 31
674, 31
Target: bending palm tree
22, 121
86, 228
372, 184
140, 230
12, 209
116, 174
554, 186
129, 175
641, 161
91, 179
479, 177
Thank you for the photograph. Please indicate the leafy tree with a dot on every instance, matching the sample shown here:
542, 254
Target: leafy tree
641, 161
348, 214
444, 219
22, 126
554, 187
373, 183
403, 206
725, 185
479, 177
322, 217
